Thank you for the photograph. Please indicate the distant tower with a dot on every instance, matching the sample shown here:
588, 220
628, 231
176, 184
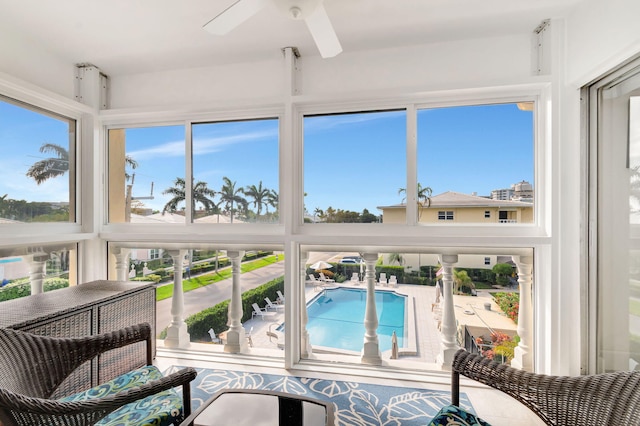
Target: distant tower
522, 191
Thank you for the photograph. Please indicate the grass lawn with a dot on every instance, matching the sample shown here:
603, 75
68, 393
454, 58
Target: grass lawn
166, 291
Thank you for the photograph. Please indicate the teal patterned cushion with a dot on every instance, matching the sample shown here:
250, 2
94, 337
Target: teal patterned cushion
455, 416
161, 409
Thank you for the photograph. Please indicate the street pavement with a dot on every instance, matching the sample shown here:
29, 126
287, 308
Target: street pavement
205, 297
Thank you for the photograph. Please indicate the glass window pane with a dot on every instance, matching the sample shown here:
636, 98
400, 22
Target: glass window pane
336, 303
476, 162
37, 168
146, 175
18, 272
353, 163
235, 171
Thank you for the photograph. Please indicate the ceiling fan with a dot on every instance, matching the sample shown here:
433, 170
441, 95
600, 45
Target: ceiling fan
311, 11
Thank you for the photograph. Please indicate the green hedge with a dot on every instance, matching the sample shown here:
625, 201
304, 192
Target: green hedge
22, 289
198, 325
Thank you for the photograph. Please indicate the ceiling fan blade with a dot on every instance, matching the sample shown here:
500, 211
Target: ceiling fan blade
234, 15
322, 32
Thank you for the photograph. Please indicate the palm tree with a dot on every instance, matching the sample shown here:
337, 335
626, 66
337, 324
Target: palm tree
50, 167
201, 194
395, 257
272, 200
229, 195
317, 212
461, 279
59, 164
424, 197
259, 194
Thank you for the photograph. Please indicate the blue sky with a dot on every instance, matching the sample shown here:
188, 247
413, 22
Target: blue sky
351, 161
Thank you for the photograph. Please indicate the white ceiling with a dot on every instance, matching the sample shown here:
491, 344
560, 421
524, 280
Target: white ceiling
133, 36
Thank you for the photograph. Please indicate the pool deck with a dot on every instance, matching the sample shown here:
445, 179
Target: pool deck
427, 335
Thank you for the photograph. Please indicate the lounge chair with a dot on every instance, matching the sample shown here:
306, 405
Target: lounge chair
317, 284
262, 312
280, 296
274, 306
383, 279
324, 278
214, 338
393, 281
355, 279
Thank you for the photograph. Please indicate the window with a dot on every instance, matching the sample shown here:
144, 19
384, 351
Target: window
154, 254
499, 137
487, 261
19, 272
615, 136
146, 175
37, 168
235, 171
487, 214
445, 215
354, 163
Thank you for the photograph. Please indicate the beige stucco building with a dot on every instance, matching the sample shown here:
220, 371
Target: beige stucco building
454, 207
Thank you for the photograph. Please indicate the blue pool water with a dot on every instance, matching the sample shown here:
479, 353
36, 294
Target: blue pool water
336, 318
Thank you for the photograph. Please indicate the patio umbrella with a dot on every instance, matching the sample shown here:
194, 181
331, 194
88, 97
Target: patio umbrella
321, 264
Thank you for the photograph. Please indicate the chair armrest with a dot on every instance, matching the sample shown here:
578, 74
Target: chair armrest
608, 398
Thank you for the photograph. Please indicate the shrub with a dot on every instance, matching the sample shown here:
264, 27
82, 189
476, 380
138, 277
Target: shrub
216, 317
22, 287
509, 303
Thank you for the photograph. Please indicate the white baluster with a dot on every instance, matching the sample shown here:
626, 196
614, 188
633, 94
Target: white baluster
449, 346
371, 350
523, 353
236, 340
177, 335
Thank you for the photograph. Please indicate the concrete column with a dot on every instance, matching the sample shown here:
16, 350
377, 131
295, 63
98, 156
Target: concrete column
236, 340
37, 269
371, 350
122, 262
449, 344
177, 335
305, 345
523, 353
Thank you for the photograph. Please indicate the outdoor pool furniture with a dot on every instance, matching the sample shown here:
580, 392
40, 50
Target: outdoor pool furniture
261, 312
274, 306
232, 407
355, 278
393, 281
324, 278
280, 296
33, 368
214, 338
383, 279
599, 399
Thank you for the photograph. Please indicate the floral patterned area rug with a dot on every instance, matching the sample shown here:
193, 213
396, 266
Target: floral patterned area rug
355, 404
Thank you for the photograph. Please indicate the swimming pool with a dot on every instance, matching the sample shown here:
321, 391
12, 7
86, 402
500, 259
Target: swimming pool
336, 318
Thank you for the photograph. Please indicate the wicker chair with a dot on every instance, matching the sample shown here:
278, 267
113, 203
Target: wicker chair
33, 369
600, 399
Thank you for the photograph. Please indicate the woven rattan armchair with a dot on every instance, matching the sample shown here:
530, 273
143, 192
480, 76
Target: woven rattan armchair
600, 399
33, 367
